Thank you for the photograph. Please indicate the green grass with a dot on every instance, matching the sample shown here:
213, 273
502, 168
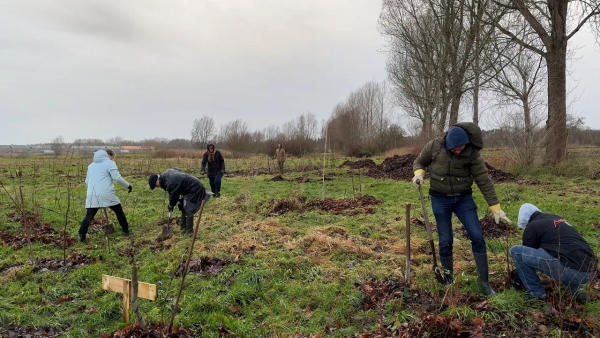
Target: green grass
297, 274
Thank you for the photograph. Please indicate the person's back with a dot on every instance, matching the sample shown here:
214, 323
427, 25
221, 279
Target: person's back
555, 235
99, 179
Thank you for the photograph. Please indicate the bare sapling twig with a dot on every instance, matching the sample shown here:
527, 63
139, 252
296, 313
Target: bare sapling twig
187, 263
407, 273
64, 235
353, 190
25, 227
324, 162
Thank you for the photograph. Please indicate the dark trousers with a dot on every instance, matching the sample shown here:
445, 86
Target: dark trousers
91, 212
215, 183
465, 209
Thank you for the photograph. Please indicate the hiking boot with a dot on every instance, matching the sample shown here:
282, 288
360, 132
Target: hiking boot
217, 195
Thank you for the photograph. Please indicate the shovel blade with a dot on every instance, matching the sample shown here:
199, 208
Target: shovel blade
167, 232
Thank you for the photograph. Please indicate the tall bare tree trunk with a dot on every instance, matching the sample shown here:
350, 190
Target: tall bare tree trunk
556, 125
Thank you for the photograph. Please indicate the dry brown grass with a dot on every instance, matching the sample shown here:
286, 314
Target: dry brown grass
319, 243
11, 274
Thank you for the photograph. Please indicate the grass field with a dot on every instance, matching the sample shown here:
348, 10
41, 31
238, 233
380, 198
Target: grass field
269, 273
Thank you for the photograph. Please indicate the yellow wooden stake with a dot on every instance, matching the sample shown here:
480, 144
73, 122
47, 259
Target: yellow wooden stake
122, 285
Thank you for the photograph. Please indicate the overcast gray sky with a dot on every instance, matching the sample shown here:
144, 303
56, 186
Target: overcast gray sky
145, 69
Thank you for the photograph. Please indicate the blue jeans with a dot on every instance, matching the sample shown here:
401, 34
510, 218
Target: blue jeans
466, 210
529, 260
215, 183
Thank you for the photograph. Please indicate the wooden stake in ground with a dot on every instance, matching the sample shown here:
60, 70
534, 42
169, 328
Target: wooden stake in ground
122, 285
407, 273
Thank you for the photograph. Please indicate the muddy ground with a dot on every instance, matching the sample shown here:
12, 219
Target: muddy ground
23, 332
491, 229
431, 323
35, 231
205, 265
347, 206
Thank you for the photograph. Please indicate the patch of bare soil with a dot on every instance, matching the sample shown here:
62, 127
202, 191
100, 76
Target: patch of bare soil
348, 206
42, 232
491, 229
377, 293
281, 206
301, 179
352, 206
159, 331
205, 265
22, 332
421, 223
368, 163
75, 260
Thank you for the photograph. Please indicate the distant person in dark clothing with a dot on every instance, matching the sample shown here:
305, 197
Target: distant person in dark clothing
553, 247
280, 157
214, 165
184, 190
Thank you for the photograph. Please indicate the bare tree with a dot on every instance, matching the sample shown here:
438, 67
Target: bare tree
236, 137
553, 22
58, 145
202, 131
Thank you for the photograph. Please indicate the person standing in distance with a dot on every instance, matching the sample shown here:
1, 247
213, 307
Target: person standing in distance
101, 193
214, 164
280, 157
454, 163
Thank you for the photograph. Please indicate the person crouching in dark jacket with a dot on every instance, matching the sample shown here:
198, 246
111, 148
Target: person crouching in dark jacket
214, 165
553, 247
184, 190
455, 163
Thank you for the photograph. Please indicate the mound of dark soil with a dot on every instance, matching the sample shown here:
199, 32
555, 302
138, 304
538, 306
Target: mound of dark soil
281, 206
499, 176
75, 260
43, 233
368, 163
277, 178
22, 332
205, 265
491, 229
363, 204
395, 167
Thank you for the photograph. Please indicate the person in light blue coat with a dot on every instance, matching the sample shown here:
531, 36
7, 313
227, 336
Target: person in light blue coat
100, 191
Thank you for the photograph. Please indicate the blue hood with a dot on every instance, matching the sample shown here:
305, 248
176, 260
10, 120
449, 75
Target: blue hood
100, 156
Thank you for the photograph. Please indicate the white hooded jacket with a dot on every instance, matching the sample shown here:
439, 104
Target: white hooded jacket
99, 180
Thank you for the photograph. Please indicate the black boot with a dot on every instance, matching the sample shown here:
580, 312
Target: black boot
481, 262
189, 225
182, 222
447, 264
82, 238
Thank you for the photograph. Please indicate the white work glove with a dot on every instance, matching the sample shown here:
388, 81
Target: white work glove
418, 179
499, 214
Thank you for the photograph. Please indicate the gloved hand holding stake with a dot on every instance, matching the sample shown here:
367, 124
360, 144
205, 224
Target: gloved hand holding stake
129, 188
419, 178
499, 214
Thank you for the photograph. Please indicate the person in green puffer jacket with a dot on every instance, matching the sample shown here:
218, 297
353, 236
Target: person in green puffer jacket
454, 163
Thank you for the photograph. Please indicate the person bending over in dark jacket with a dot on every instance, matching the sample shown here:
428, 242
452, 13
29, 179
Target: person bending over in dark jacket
553, 247
213, 162
184, 190
454, 164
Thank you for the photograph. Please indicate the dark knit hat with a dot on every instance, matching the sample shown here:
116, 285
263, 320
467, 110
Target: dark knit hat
456, 137
152, 181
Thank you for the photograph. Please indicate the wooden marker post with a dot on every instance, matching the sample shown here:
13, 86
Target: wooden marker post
407, 273
122, 285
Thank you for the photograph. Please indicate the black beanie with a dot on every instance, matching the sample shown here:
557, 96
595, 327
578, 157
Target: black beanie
152, 181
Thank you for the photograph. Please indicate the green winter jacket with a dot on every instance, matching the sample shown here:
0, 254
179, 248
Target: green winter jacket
453, 175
